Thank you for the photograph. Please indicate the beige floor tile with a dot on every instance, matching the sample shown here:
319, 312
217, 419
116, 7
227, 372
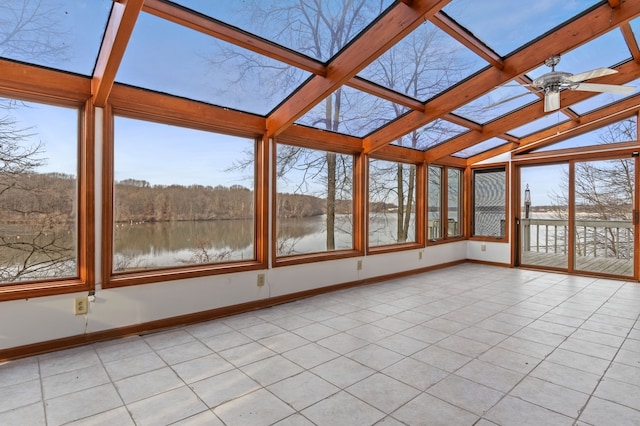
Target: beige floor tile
514, 411
441, 358
20, 394
549, 395
465, 394
224, 387
493, 376
167, 408
271, 370
415, 373
78, 405
303, 390
202, 368
32, 415
342, 409
383, 392
342, 371
438, 412
259, 408
601, 412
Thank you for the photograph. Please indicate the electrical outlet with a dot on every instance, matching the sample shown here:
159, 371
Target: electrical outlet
359, 265
260, 280
483, 247
81, 305
420, 255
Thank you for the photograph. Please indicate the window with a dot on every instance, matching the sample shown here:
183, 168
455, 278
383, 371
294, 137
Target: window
445, 184
181, 197
392, 202
434, 190
489, 202
314, 201
454, 202
39, 193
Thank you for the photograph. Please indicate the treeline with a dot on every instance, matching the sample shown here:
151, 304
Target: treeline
34, 197
46, 198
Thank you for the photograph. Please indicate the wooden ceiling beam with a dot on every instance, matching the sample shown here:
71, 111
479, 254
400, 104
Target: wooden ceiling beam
379, 37
384, 93
206, 25
628, 71
568, 129
451, 27
122, 20
630, 39
591, 25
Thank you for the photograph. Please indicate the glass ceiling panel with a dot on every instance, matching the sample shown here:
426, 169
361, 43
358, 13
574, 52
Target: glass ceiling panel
621, 131
423, 64
316, 29
505, 25
64, 35
359, 113
602, 100
480, 148
605, 51
434, 133
545, 122
170, 58
500, 101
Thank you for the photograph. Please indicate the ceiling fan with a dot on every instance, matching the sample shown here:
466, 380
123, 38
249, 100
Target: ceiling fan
554, 82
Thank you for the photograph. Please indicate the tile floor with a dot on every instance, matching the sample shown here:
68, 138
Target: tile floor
466, 345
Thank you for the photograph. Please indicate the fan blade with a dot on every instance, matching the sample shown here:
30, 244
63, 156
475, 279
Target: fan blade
598, 72
605, 88
551, 101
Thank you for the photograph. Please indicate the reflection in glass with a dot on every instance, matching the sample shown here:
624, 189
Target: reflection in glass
430, 135
181, 197
604, 230
59, 35
38, 191
174, 59
454, 202
316, 29
505, 25
500, 101
544, 231
622, 131
423, 64
351, 112
479, 148
434, 199
314, 201
489, 203
392, 195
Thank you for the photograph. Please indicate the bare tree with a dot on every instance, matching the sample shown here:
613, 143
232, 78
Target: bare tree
29, 30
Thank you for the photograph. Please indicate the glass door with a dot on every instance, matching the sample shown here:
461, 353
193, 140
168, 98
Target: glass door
544, 216
604, 231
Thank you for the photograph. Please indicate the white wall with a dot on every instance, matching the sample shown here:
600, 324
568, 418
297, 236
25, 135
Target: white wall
24, 322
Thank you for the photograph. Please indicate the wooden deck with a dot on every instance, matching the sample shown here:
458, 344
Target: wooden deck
601, 265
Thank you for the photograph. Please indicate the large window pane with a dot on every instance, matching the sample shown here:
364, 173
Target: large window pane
38, 191
454, 202
392, 195
181, 197
434, 188
314, 201
489, 203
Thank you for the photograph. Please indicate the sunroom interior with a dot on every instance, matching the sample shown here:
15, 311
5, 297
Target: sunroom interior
169, 162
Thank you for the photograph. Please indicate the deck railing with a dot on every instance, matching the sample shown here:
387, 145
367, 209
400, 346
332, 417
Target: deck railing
595, 238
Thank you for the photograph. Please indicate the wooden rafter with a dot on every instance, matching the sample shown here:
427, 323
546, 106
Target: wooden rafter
448, 25
628, 71
384, 93
116, 37
630, 39
212, 27
380, 36
591, 25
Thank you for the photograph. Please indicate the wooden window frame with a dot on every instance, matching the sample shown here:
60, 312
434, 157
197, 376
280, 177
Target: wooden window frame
155, 107
444, 205
39, 85
471, 197
420, 201
344, 145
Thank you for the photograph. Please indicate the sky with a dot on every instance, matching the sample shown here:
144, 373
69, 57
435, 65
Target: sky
166, 57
